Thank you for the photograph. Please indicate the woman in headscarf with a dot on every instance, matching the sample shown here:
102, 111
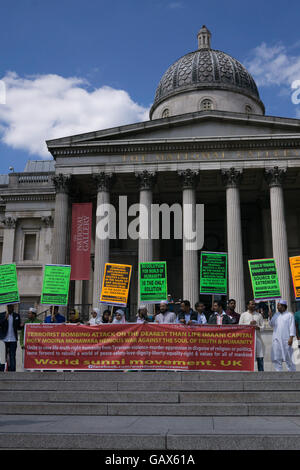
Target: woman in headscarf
119, 317
95, 318
142, 315
106, 317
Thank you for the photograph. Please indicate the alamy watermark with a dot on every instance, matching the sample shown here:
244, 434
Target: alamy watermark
152, 223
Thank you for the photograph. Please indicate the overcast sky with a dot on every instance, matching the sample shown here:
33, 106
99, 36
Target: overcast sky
72, 66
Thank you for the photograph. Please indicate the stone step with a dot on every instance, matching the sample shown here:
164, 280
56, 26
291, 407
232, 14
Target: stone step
146, 432
162, 385
151, 396
150, 409
149, 376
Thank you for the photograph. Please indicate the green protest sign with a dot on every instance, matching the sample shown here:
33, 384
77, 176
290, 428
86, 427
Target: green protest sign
213, 273
153, 281
56, 284
9, 292
264, 279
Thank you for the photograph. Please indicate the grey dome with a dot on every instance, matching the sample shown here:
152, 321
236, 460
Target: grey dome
204, 69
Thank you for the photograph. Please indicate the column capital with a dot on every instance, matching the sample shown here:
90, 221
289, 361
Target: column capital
61, 183
275, 176
232, 177
146, 179
104, 180
188, 178
9, 222
47, 221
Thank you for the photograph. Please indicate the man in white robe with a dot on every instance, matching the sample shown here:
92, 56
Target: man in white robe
284, 330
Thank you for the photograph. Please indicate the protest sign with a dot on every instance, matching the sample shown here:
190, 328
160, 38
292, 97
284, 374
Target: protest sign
139, 347
9, 292
213, 273
116, 282
265, 283
153, 281
295, 269
56, 283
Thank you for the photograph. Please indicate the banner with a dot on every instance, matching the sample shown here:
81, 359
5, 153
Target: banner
153, 281
81, 241
116, 282
265, 283
9, 292
213, 273
295, 269
138, 346
56, 283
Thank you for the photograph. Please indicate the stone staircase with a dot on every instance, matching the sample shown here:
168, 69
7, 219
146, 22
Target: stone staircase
150, 410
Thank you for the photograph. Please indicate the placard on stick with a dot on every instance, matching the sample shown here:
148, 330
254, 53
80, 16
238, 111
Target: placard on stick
264, 278
153, 281
116, 282
56, 284
9, 292
295, 269
213, 273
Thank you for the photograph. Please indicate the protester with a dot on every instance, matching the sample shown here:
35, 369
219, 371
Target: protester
219, 317
74, 316
254, 318
235, 317
55, 316
31, 318
119, 317
142, 315
297, 323
284, 330
170, 303
106, 317
200, 309
95, 318
186, 315
165, 316
10, 323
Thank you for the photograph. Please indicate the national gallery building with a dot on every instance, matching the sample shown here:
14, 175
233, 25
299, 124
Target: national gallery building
207, 141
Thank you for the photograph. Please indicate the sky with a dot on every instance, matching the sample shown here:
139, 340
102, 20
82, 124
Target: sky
72, 66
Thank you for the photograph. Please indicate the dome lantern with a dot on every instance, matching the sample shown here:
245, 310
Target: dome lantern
204, 36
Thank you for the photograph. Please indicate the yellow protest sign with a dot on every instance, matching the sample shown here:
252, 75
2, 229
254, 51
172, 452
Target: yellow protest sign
295, 269
116, 282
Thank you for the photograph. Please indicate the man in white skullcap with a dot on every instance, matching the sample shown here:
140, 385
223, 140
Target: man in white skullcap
165, 316
284, 330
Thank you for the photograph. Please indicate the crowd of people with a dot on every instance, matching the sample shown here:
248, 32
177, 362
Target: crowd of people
285, 324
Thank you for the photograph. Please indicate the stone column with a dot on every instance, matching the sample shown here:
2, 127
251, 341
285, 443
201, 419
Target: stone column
103, 182
8, 239
146, 180
62, 184
275, 177
191, 287
232, 178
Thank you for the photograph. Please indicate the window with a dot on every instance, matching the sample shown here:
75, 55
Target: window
165, 113
248, 109
206, 104
29, 253
1, 250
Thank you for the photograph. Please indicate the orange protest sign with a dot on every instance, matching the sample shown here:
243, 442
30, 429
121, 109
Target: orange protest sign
295, 269
116, 282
